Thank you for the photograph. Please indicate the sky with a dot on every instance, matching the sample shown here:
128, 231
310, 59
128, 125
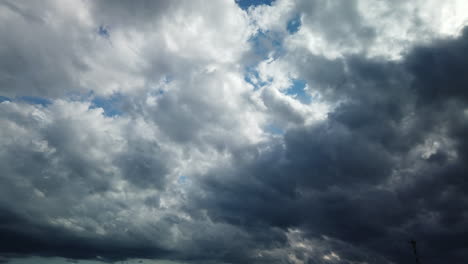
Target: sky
233, 131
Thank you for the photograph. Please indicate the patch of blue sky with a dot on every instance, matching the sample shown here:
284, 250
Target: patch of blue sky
298, 91
265, 45
103, 31
245, 4
294, 24
4, 99
112, 105
182, 179
274, 129
34, 100
251, 76
27, 99
159, 89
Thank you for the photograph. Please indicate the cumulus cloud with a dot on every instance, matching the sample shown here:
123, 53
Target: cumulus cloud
233, 131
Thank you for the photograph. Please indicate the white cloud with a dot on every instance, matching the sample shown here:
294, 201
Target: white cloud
375, 28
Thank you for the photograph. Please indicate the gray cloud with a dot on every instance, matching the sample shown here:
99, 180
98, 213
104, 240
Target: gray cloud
357, 176
189, 171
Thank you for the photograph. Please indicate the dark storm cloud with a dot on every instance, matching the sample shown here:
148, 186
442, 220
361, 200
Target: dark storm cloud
23, 237
53, 179
438, 83
180, 175
355, 176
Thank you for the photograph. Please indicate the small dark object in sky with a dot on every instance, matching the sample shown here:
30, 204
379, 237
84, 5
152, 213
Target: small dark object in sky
413, 244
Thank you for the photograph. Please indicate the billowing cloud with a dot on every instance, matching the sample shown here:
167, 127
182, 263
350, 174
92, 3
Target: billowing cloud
233, 131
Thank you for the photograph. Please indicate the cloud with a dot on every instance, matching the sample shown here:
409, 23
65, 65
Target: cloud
365, 175
370, 28
172, 131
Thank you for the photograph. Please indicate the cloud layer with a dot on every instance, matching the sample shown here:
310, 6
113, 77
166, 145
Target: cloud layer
233, 131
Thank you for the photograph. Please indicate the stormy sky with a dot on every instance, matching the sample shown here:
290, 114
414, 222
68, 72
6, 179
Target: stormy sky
233, 131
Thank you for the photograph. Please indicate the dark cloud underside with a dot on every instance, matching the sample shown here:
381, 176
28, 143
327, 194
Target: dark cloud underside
173, 131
